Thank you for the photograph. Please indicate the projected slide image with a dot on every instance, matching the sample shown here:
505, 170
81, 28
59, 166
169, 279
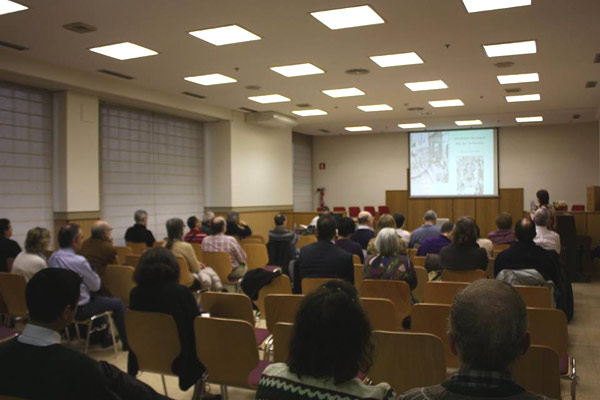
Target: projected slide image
429, 158
470, 175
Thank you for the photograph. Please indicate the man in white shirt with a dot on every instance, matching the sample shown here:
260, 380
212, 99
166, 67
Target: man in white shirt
545, 238
323, 211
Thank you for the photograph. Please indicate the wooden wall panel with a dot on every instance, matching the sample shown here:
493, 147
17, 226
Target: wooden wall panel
486, 211
511, 201
463, 207
260, 221
397, 201
416, 210
443, 207
580, 222
593, 228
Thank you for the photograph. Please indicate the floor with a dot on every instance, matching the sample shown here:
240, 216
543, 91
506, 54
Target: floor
584, 345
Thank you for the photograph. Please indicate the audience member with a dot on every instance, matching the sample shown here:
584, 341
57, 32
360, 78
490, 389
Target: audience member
138, 233
237, 227
207, 220
385, 221
545, 238
281, 246
207, 277
98, 249
345, 229
90, 303
9, 249
434, 245
485, 244
464, 253
404, 234
504, 234
364, 230
322, 211
219, 242
32, 260
330, 345
281, 233
389, 263
543, 200
488, 334
425, 231
323, 259
36, 366
158, 290
195, 235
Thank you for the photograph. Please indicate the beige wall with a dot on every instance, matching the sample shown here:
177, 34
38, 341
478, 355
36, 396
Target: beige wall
217, 164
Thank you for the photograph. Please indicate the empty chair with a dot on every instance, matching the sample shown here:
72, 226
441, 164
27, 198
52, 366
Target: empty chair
433, 319
122, 253
418, 261
279, 285
310, 284
137, 248
132, 260
442, 292
370, 209
281, 308
449, 275
535, 296
382, 314
578, 207
339, 210
220, 262
282, 335
257, 255
12, 287
303, 240
358, 276
422, 279
354, 211
537, 371
118, 281
398, 292
383, 210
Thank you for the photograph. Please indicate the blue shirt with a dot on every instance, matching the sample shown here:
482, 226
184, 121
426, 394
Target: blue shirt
426, 231
433, 245
67, 259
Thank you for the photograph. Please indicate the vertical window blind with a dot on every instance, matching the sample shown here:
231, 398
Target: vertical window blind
303, 196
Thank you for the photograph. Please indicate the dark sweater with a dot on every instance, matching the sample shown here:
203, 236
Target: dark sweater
324, 259
463, 257
138, 233
351, 247
236, 230
362, 237
522, 255
8, 249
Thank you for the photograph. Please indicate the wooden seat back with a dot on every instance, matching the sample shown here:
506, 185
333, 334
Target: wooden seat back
310, 284
279, 285
12, 288
418, 261
548, 327
433, 319
398, 292
303, 240
535, 296
282, 336
281, 308
538, 371
118, 280
422, 279
256, 255
358, 276
470, 275
122, 253
137, 248
228, 305
185, 275
132, 260
442, 292
220, 262
382, 314
198, 251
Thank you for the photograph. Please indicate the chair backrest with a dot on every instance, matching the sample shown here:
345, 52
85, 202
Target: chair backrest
250, 240
354, 211
185, 276
12, 288
154, 339
383, 210
132, 260
358, 276
282, 336
279, 285
382, 314
257, 255
339, 209
228, 305
548, 327
370, 209
496, 252
257, 237
407, 360
490, 268
356, 259
118, 280
501, 247
419, 261
220, 262
122, 253
398, 292
310, 284
281, 308
422, 279
538, 371
535, 296
137, 248
471, 275
442, 292
303, 240
433, 319
198, 251
227, 348
159, 243
412, 253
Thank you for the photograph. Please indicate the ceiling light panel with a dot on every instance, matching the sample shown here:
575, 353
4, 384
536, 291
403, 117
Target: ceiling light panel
358, 128
7, 7
375, 107
427, 85
210, 79
350, 17
523, 97
309, 113
447, 103
290, 71
474, 6
124, 51
346, 92
269, 98
518, 78
415, 125
537, 118
471, 122
225, 35
510, 49
396, 60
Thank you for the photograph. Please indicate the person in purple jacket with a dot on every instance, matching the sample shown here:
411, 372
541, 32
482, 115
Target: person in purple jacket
435, 244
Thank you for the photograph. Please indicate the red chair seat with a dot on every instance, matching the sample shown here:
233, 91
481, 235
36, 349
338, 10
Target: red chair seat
384, 210
370, 209
354, 211
256, 373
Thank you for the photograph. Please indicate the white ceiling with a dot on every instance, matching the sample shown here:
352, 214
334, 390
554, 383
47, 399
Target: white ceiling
441, 31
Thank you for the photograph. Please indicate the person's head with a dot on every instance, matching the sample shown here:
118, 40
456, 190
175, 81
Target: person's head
70, 236
447, 228
324, 210
466, 232
332, 335
218, 225
325, 227
207, 218
174, 231
399, 218
386, 242
365, 218
385, 221
280, 220
192, 222
140, 217
488, 326
430, 217
157, 265
525, 230
37, 240
5, 228
504, 221
543, 197
52, 295
541, 216
345, 227
101, 230
233, 218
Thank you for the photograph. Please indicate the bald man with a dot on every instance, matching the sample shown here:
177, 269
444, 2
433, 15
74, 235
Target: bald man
98, 249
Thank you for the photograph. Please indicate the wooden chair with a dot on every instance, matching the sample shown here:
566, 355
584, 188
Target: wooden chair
221, 263
412, 253
418, 261
490, 268
356, 259
228, 350
198, 251
442, 292
382, 314
501, 247
282, 335
358, 276
256, 255
281, 308
250, 240
279, 285
398, 292
433, 319
471, 275
535, 296
122, 253
154, 339
185, 276
537, 371
310, 284
12, 287
137, 248
118, 280
496, 252
422, 279
159, 243
132, 260
303, 240
407, 360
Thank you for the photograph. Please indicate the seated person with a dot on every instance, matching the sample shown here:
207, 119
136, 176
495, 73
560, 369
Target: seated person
545, 238
98, 249
207, 220
236, 227
434, 245
330, 345
404, 234
345, 229
138, 233
281, 246
543, 201
464, 253
207, 277
487, 344
504, 234
36, 366
323, 259
9, 249
364, 230
425, 231
195, 235
385, 221
322, 211
32, 260
389, 263
90, 303
219, 242
158, 290
281, 233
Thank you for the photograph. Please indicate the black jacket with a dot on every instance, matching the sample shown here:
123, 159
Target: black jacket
324, 259
463, 257
138, 233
